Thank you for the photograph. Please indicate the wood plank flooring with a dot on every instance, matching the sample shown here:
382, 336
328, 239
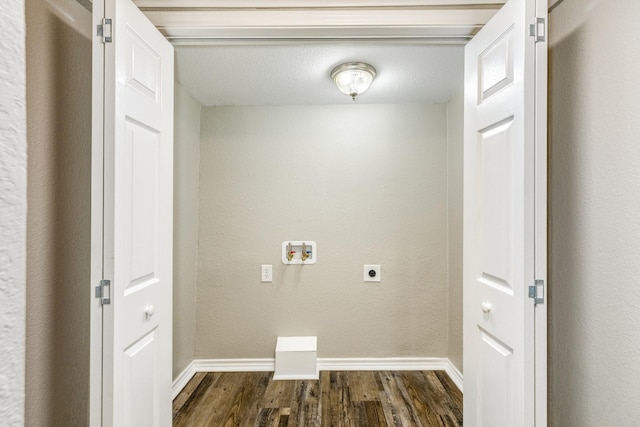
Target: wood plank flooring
339, 399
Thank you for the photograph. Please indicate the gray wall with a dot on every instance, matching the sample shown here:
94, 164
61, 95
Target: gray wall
368, 184
13, 206
58, 220
594, 194
185, 226
455, 146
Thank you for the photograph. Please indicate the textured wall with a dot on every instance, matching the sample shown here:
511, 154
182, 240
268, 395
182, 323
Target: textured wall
58, 245
368, 184
455, 156
185, 226
594, 193
13, 208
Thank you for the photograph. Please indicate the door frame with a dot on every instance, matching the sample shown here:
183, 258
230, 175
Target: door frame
540, 217
419, 21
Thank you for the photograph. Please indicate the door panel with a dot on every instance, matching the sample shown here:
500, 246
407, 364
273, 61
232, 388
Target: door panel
496, 374
141, 399
142, 66
140, 199
500, 222
495, 66
495, 202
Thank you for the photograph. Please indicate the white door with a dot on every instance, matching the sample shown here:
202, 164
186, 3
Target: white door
137, 216
505, 220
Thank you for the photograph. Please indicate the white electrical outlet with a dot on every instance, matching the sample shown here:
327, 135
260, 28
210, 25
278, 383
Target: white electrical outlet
371, 273
267, 273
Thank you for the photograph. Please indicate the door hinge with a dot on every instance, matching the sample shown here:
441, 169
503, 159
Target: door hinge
103, 291
536, 292
105, 30
538, 30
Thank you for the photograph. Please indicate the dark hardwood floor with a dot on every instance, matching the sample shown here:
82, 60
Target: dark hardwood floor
339, 399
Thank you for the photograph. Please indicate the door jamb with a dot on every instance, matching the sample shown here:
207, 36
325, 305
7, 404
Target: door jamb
97, 215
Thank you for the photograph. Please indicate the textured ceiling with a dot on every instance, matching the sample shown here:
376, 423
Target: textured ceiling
298, 74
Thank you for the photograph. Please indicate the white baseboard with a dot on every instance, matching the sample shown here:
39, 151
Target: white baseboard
234, 365
455, 375
383, 364
220, 365
181, 381
324, 364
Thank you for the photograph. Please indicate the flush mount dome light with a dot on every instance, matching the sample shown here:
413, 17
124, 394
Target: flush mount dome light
353, 78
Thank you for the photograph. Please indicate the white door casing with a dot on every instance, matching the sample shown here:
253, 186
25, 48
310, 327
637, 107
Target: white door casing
136, 182
505, 221
483, 330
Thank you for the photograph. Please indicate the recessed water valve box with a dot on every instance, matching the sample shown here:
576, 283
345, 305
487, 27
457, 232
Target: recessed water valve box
299, 252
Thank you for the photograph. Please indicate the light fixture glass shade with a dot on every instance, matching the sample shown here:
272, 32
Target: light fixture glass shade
353, 78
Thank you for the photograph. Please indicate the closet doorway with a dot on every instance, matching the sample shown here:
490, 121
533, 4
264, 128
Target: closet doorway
305, 176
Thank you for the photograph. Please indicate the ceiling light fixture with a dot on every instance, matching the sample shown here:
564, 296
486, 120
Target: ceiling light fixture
353, 78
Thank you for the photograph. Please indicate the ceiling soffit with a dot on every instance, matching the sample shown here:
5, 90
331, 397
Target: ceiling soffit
430, 21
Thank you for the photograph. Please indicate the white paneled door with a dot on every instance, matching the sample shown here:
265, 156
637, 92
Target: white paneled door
137, 213
505, 219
